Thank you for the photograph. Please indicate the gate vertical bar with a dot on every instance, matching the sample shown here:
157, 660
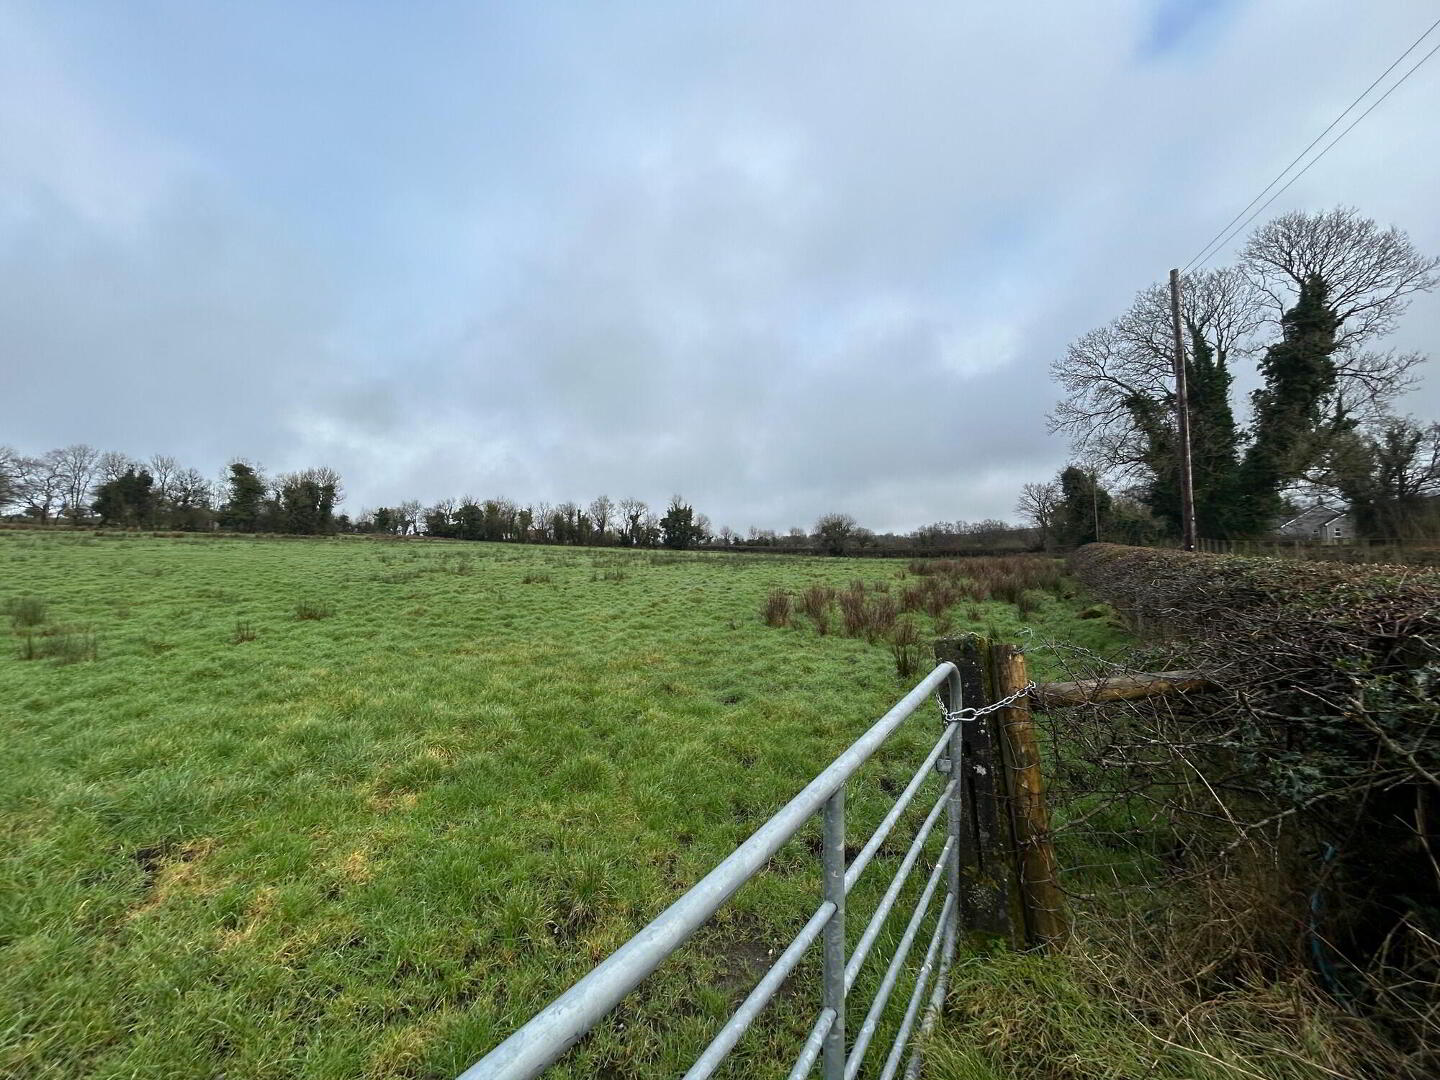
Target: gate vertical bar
833, 1067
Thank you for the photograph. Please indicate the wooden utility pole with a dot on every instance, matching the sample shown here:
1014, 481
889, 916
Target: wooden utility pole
1095, 500
1182, 414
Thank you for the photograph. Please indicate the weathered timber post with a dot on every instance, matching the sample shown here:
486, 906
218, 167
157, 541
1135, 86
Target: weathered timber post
984, 837
1024, 788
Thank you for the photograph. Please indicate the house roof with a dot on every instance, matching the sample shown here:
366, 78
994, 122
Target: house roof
1319, 514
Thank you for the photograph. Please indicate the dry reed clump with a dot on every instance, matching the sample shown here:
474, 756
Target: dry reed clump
905, 646
816, 601
852, 610
1001, 577
867, 612
939, 595
778, 608
881, 615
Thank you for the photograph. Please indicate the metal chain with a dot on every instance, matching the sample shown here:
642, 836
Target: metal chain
951, 715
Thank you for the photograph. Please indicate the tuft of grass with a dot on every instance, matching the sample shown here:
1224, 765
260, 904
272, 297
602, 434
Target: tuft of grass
242, 633
535, 578
26, 611
62, 646
1092, 1011
313, 609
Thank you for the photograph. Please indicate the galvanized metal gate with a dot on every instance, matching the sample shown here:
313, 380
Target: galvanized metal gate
553, 1030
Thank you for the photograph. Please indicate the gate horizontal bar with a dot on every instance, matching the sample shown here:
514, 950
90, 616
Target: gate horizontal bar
556, 1027
887, 902
758, 998
922, 982
932, 1010
813, 1045
862, 859
892, 973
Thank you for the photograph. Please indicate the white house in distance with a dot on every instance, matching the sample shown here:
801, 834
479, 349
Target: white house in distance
1327, 524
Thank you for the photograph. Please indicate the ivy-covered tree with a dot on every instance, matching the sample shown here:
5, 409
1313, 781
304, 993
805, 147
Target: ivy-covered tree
1214, 444
678, 528
305, 502
127, 500
246, 498
1333, 282
1085, 507
1299, 373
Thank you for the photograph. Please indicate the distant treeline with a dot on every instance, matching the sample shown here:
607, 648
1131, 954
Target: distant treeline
79, 485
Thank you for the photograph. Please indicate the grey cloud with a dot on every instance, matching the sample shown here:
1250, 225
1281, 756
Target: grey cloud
783, 259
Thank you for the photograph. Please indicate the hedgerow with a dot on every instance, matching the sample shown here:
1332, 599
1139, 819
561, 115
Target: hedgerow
1315, 763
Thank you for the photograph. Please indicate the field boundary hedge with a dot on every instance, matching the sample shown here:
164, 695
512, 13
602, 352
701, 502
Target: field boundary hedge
1322, 751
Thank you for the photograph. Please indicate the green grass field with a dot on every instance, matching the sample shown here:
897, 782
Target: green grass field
353, 808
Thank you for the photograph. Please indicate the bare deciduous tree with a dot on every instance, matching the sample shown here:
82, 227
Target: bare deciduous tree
41, 485
1133, 357
633, 513
1369, 272
112, 465
77, 466
408, 513
835, 532
1038, 503
601, 512
161, 468
190, 488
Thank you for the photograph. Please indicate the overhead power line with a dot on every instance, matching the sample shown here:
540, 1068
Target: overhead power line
1216, 242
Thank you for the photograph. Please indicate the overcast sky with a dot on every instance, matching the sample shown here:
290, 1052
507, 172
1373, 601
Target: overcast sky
784, 258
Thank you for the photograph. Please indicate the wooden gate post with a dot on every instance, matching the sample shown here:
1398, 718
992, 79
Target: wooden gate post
1024, 788
985, 896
